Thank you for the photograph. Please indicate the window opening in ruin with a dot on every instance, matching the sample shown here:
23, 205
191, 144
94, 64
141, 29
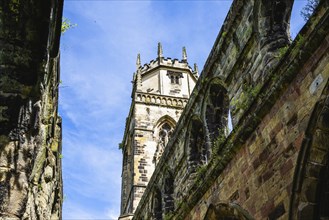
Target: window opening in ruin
230, 124
224, 211
198, 154
217, 114
157, 205
168, 193
296, 23
165, 132
322, 211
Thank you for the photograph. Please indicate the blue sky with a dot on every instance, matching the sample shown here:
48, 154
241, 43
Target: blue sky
97, 63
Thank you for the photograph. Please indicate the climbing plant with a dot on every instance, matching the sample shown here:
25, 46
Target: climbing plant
66, 25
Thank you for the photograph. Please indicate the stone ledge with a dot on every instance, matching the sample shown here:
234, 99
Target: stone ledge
160, 100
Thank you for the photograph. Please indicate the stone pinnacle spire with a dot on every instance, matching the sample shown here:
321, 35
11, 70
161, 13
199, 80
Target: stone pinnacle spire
138, 72
184, 55
196, 70
138, 61
160, 52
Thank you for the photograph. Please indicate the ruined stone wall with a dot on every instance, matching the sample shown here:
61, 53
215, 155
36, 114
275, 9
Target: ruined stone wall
30, 128
274, 163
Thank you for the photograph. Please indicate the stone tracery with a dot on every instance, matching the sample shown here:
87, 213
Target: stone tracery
216, 109
165, 131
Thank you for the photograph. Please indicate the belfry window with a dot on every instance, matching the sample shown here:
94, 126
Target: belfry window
175, 77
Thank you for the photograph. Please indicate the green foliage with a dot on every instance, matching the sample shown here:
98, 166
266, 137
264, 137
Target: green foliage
253, 91
220, 139
120, 146
309, 8
66, 25
179, 202
275, 77
246, 96
282, 51
60, 156
201, 170
300, 40
168, 216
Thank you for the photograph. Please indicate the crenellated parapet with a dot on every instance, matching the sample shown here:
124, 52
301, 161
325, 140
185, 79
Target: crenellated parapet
165, 62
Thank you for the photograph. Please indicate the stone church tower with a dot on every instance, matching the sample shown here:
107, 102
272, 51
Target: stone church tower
161, 90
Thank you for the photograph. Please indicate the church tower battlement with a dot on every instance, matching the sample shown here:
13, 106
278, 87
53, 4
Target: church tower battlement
161, 89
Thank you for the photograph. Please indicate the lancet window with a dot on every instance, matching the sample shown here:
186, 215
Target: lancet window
216, 111
197, 151
168, 192
157, 205
165, 131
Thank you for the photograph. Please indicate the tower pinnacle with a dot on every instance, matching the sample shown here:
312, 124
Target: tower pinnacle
138, 61
184, 55
160, 52
196, 70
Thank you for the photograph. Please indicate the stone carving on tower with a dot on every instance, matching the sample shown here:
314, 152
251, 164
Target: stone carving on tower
161, 89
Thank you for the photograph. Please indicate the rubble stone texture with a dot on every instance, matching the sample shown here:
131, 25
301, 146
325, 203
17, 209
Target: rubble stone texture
30, 128
274, 163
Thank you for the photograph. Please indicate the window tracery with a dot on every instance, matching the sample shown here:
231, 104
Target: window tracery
165, 132
216, 112
197, 151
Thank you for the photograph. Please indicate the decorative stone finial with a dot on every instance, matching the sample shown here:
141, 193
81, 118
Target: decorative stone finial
138, 61
184, 55
138, 76
196, 70
160, 52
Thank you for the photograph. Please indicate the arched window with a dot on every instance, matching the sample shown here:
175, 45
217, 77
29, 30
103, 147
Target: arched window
310, 193
223, 211
164, 131
216, 110
157, 205
322, 211
168, 192
197, 152
172, 79
177, 79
